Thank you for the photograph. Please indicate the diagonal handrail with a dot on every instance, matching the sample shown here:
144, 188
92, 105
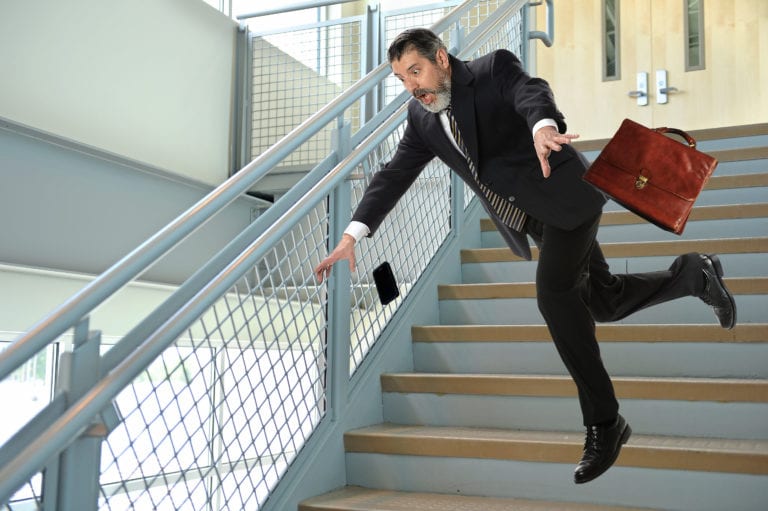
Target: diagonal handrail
149, 252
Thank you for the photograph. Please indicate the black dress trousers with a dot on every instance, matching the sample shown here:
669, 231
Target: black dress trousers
575, 288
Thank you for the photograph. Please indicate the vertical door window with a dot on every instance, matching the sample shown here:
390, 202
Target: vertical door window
694, 35
611, 64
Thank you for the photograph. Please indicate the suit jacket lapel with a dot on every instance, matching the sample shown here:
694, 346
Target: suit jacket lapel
463, 106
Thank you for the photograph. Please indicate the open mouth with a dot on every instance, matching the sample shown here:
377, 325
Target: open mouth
421, 94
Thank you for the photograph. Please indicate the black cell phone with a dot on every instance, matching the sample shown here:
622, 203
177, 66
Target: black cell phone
386, 285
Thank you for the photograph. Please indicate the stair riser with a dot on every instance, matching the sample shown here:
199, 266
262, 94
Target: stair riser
734, 265
705, 419
663, 489
703, 360
746, 195
710, 229
731, 143
521, 311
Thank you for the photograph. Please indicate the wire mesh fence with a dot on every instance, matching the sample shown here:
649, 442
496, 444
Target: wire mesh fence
215, 422
218, 418
408, 239
294, 74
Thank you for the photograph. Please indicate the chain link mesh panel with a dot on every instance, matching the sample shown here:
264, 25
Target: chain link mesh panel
297, 72
408, 239
218, 418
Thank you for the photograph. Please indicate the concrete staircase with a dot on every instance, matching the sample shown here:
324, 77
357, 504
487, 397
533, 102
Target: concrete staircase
489, 419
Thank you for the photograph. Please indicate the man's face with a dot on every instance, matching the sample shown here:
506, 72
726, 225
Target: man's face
428, 82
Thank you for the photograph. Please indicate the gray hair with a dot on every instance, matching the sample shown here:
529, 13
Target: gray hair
424, 41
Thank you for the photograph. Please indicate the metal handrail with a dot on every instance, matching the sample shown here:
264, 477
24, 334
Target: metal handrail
79, 416
311, 4
146, 254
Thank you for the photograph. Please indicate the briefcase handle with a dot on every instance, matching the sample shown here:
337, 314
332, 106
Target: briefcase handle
675, 131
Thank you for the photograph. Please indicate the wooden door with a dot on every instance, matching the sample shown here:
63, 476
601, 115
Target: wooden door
730, 89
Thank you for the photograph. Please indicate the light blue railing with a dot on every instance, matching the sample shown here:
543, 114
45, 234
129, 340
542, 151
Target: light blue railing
206, 402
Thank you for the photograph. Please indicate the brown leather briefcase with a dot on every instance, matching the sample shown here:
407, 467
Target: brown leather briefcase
652, 175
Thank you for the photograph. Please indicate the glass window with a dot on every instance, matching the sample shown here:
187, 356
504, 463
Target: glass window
694, 35
611, 64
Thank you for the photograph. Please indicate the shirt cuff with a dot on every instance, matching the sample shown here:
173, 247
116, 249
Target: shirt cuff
542, 123
357, 230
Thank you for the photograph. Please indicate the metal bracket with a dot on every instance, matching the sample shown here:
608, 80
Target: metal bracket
547, 37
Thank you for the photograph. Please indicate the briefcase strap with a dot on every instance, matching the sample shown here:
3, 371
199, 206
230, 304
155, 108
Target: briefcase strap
691, 141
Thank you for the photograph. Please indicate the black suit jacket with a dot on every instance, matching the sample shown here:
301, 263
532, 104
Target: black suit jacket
496, 104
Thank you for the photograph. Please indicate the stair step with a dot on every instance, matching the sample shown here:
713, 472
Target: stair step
747, 333
635, 249
642, 451
643, 350
740, 154
683, 389
729, 212
746, 130
355, 498
487, 291
728, 182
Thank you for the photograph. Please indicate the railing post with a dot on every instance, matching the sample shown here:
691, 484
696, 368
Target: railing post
372, 53
457, 204
456, 36
79, 466
339, 309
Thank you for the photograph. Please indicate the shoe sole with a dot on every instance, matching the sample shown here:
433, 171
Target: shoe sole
623, 439
719, 272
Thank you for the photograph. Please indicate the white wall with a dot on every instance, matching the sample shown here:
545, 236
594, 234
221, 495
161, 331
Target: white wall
150, 80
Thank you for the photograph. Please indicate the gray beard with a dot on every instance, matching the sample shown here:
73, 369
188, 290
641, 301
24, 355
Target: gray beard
442, 97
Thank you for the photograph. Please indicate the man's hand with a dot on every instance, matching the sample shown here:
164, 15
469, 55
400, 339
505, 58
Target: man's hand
344, 250
546, 140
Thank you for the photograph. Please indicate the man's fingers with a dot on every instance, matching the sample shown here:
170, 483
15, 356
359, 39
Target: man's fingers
323, 270
545, 169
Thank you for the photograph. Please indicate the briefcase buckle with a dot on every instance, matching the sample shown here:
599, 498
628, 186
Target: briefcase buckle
641, 182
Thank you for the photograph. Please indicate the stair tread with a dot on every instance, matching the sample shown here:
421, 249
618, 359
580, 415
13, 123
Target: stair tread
748, 332
647, 451
673, 389
635, 249
698, 213
500, 290
557, 437
355, 498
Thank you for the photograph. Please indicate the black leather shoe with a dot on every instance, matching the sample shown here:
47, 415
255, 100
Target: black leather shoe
601, 448
715, 293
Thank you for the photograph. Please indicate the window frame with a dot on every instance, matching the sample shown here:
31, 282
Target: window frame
687, 40
617, 40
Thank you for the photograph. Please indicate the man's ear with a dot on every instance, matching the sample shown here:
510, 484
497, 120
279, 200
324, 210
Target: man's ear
442, 58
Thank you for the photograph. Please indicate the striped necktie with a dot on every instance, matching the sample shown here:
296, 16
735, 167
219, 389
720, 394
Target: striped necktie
510, 215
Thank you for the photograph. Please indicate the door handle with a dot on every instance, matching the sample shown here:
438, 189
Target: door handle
662, 88
641, 93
